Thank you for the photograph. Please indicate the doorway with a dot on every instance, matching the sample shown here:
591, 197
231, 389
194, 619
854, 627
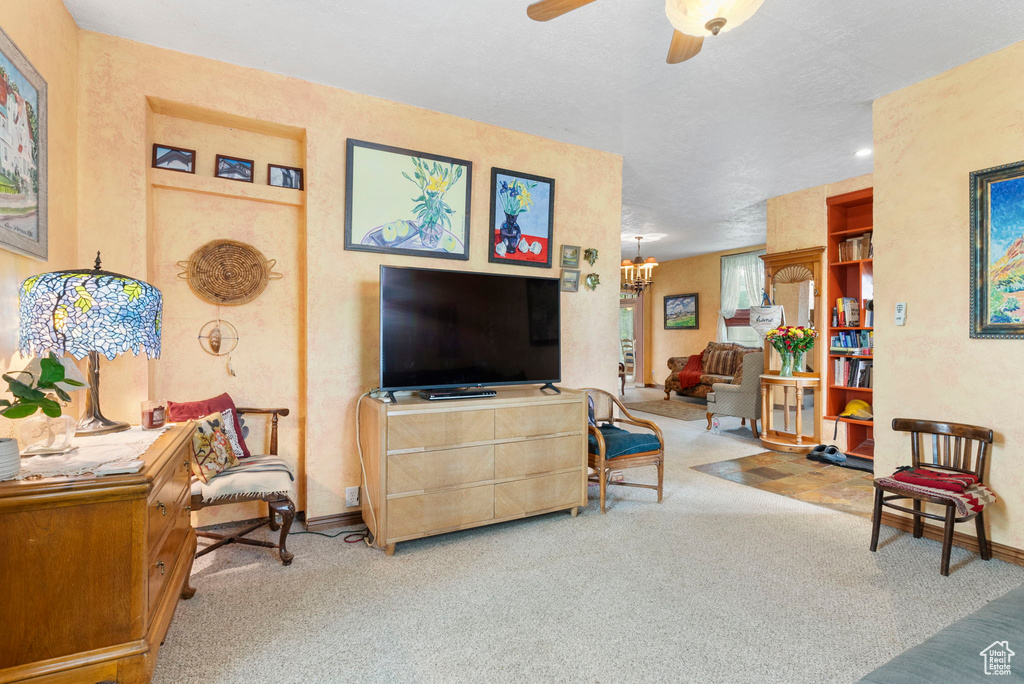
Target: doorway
631, 339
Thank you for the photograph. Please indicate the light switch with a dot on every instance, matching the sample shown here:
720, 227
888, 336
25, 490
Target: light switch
901, 313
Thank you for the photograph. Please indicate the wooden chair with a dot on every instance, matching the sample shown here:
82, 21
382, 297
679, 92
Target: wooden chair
605, 441
628, 364
254, 489
955, 456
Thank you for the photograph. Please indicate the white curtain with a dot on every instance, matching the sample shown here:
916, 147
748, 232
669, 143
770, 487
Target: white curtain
740, 273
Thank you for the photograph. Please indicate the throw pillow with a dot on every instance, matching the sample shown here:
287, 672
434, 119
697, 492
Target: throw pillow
590, 411
719, 362
211, 448
178, 412
737, 378
229, 430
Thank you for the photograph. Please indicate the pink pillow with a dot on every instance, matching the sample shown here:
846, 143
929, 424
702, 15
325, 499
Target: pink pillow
178, 412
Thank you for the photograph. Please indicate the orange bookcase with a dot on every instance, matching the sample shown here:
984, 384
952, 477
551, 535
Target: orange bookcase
849, 216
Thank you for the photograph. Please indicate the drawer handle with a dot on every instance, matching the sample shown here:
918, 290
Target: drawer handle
163, 568
185, 464
188, 510
163, 509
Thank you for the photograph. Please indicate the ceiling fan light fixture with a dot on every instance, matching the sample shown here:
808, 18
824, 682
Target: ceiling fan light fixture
709, 17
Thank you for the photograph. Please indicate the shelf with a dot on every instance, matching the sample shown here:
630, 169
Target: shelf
865, 449
846, 328
845, 387
835, 355
868, 423
851, 263
852, 231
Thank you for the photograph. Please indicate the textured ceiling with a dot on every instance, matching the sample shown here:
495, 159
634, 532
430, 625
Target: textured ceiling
778, 104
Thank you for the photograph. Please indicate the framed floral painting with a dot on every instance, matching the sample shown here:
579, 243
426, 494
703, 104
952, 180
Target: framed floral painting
997, 252
22, 153
399, 201
522, 218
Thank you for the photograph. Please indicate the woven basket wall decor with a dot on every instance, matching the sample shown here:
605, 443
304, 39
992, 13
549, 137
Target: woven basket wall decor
228, 272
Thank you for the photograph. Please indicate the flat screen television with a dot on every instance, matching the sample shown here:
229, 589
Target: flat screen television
454, 329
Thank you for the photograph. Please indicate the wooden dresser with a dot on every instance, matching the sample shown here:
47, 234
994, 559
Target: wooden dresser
440, 466
91, 569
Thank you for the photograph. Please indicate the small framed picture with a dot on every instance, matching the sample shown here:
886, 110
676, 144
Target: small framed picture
174, 158
284, 176
234, 168
682, 312
570, 281
570, 256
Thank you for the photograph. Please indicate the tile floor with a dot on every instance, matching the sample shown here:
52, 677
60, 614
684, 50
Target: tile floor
792, 475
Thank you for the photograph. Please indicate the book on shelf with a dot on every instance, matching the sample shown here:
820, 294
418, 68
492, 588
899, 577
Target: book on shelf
848, 309
852, 372
869, 313
858, 342
856, 248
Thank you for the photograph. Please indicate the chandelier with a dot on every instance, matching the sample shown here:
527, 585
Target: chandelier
638, 273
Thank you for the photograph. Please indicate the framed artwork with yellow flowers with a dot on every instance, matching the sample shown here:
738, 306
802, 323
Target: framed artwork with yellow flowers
522, 218
399, 201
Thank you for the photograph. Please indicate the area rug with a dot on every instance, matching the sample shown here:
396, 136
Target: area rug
671, 409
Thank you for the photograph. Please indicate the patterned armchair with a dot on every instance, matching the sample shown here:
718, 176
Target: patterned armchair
721, 373
742, 398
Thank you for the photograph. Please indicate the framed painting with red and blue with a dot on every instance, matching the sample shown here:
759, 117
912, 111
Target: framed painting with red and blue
522, 218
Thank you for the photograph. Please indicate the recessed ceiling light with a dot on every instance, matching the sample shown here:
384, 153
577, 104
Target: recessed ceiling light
865, 152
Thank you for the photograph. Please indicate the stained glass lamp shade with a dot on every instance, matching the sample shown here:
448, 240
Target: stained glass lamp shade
90, 312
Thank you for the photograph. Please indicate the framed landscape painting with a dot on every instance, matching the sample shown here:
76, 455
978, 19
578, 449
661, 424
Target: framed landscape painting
522, 218
404, 202
22, 153
997, 252
681, 312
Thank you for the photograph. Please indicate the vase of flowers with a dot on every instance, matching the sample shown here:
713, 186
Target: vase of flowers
433, 213
516, 199
792, 342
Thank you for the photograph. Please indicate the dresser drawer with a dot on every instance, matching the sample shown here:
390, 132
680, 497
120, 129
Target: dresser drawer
161, 562
530, 421
449, 510
439, 429
435, 469
535, 494
536, 456
170, 484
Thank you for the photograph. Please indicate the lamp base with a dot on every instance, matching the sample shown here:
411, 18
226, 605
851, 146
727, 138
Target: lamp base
93, 422
98, 425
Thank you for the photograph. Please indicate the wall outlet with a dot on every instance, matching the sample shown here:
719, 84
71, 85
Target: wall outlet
351, 496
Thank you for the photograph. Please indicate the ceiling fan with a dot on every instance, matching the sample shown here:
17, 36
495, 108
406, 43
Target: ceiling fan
693, 20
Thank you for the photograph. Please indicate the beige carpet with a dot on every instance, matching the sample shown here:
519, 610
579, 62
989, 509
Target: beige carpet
670, 409
720, 583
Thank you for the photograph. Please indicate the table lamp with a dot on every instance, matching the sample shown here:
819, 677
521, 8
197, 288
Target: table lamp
92, 312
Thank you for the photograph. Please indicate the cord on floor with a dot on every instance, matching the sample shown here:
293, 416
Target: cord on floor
350, 536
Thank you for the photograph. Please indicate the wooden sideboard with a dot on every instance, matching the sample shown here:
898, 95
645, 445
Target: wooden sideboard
440, 466
91, 569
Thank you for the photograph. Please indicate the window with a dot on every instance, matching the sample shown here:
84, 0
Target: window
742, 285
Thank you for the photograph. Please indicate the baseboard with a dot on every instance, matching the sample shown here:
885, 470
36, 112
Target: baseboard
324, 522
965, 541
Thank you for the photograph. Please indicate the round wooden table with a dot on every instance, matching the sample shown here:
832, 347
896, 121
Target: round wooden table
784, 440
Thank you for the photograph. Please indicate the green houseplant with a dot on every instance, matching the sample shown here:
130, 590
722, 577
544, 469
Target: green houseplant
31, 396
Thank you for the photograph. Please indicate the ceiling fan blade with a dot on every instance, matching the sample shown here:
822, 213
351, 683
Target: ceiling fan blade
549, 9
683, 47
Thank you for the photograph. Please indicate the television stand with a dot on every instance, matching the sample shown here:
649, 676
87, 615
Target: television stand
549, 385
439, 395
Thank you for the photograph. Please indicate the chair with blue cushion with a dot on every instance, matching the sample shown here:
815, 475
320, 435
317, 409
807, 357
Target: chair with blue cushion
611, 448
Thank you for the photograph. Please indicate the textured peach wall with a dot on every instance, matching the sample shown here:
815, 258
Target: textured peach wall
799, 220
48, 36
928, 138
701, 274
339, 330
